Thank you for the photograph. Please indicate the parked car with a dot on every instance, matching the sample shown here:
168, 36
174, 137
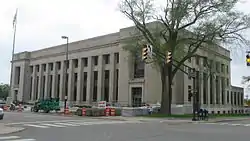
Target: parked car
1, 113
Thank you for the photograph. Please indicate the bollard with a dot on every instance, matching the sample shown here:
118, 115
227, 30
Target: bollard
107, 111
83, 111
113, 112
20, 108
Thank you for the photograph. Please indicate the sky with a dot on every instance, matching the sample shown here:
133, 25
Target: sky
41, 23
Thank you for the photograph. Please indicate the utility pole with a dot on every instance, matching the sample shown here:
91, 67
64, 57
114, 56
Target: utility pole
65, 73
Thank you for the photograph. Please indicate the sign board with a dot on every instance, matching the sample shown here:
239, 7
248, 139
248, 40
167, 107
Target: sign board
102, 104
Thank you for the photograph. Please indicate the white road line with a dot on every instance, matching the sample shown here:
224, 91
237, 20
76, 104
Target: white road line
247, 125
33, 125
224, 124
53, 125
9, 137
67, 124
50, 121
23, 140
235, 124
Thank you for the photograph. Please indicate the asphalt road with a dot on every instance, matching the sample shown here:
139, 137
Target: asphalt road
15, 117
135, 132
43, 127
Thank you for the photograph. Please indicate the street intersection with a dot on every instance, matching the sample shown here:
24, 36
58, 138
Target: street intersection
46, 127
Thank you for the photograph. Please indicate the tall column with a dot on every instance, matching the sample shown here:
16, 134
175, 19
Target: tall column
201, 88
79, 81
40, 85
89, 81
54, 81
70, 81
62, 81
33, 91
46, 92
112, 77
208, 89
100, 79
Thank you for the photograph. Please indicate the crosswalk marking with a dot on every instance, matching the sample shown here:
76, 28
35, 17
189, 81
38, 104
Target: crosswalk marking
33, 125
53, 125
23, 140
9, 137
14, 138
67, 124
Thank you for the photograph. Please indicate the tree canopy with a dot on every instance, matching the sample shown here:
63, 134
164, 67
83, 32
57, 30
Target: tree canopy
184, 27
4, 91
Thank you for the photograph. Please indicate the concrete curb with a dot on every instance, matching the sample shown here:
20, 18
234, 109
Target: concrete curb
228, 120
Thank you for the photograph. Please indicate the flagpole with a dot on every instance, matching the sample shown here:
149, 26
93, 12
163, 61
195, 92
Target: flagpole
12, 56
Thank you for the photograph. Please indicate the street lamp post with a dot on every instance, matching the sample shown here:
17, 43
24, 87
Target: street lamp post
65, 73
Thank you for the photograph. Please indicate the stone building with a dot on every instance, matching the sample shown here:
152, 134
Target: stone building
100, 69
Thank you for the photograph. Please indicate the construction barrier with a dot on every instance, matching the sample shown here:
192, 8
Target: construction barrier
66, 110
83, 111
112, 112
5, 107
107, 111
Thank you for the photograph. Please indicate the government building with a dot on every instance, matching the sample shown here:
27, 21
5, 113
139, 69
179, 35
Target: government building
99, 69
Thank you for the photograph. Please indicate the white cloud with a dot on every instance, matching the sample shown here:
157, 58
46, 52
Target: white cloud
41, 23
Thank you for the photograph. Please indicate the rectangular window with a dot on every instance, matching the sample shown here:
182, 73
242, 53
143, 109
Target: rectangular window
85, 62
85, 76
75, 61
95, 86
106, 58
117, 57
58, 65
95, 58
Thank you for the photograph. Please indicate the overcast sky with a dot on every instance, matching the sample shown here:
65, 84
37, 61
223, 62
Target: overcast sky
41, 23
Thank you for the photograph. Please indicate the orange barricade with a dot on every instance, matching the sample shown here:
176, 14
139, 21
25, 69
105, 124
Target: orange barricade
83, 111
5, 107
107, 111
66, 111
113, 112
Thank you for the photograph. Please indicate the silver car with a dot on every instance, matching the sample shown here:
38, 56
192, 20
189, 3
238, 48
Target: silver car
1, 113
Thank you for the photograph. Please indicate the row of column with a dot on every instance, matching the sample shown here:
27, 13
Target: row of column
37, 86
220, 91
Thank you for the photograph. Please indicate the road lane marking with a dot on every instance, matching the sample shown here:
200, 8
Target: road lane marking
224, 123
53, 125
67, 124
235, 124
9, 137
33, 125
23, 140
247, 125
50, 121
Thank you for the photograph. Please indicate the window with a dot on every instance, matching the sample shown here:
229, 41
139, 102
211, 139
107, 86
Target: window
85, 62
51, 66
106, 85
66, 63
95, 58
190, 60
227, 69
138, 67
117, 57
106, 58
217, 66
58, 65
189, 71
75, 61
205, 61
227, 96
85, 75
222, 67
37, 68
44, 67
95, 86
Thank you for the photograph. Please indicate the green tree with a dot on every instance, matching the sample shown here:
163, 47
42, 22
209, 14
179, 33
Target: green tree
183, 26
4, 90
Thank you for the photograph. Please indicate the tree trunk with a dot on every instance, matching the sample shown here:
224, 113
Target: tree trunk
165, 97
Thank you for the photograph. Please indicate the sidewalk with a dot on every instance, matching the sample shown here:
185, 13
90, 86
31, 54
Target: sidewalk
7, 130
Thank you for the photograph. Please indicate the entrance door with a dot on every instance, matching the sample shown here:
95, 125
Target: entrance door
136, 96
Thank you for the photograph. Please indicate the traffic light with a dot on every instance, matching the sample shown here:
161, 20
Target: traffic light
248, 60
169, 57
145, 52
189, 93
